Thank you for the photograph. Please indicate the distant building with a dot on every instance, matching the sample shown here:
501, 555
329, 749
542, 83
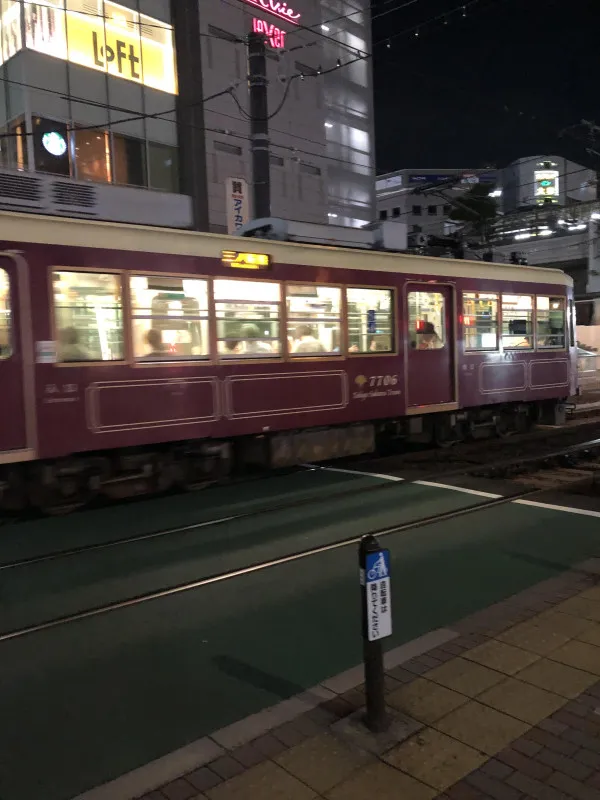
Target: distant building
545, 181
398, 197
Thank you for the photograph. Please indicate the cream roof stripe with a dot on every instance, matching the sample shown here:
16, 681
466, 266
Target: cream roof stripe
28, 228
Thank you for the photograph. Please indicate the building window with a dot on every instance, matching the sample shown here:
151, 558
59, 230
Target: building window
129, 161
416, 210
11, 28
16, 145
517, 321
92, 155
88, 311
395, 212
170, 318
432, 211
314, 320
45, 27
480, 321
248, 316
51, 146
426, 320
5, 324
370, 320
163, 167
276, 161
550, 325
383, 214
225, 147
447, 208
310, 169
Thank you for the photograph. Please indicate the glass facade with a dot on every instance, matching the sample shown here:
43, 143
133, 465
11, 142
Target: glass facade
97, 34
91, 154
67, 119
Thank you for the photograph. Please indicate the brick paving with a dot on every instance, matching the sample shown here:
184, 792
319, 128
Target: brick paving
509, 709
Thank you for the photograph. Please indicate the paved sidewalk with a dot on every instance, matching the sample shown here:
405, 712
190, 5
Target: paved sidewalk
506, 706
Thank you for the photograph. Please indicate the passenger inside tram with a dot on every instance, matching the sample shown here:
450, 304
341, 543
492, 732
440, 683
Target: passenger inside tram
306, 341
154, 341
233, 347
380, 343
428, 338
69, 348
251, 340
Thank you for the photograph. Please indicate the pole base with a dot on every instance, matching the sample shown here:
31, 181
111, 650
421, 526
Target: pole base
354, 730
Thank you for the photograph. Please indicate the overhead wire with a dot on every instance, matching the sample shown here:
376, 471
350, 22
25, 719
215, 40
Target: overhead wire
129, 26
231, 89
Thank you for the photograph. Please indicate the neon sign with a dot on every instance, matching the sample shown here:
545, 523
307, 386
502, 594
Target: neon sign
277, 8
275, 36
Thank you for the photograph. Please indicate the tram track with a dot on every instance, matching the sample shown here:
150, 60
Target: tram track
188, 586
477, 469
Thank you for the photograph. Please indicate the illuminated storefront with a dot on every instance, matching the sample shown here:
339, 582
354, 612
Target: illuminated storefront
54, 128
115, 39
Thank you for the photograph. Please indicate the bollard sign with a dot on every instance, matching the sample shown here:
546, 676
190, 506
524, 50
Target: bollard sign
378, 595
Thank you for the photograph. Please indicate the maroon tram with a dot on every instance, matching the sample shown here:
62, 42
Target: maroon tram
134, 358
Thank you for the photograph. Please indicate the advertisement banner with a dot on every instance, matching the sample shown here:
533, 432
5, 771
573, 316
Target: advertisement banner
237, 201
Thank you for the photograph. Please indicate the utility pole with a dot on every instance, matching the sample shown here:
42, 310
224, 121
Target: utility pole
259, 125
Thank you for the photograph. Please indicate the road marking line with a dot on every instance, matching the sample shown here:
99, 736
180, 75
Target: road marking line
551, 507
478, 493
458, 489
356, 472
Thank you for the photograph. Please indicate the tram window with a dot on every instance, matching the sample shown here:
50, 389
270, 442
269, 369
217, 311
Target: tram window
88, 310
314, 320
550, 322
480, 321
426, 320
517, 321
5, 320
170, 318
248, 317
370, 320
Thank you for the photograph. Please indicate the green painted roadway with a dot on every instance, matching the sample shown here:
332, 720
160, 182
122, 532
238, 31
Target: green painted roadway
91, 700
40, 592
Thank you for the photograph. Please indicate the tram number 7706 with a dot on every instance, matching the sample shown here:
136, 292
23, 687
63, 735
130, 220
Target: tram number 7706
382, 380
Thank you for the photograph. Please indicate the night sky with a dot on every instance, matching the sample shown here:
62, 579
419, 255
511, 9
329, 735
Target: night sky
498, 84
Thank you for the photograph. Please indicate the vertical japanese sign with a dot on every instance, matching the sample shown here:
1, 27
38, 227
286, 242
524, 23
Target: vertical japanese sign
378, 595
238, 203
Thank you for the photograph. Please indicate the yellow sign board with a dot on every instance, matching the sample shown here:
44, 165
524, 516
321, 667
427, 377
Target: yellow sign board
118, 40
231, 258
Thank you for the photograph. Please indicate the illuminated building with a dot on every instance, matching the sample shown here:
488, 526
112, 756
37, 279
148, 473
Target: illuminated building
83, 81
322, 139
103, 111
546, 181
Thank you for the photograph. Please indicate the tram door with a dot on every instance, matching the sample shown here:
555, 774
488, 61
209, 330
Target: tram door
13, 431
430, 345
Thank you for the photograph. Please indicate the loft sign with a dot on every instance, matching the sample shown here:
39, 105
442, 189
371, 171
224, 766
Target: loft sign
121, 52
277, 8
275, 36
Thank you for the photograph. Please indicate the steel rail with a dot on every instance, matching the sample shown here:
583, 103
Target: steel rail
259, 567
91, 548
